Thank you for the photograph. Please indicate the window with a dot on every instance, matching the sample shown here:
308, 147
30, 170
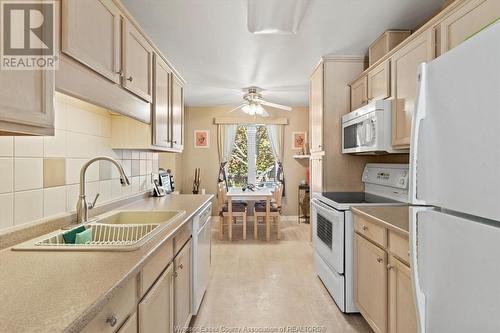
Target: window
252, 160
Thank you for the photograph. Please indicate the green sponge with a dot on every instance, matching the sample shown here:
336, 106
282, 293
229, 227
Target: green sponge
84, 237
69, 237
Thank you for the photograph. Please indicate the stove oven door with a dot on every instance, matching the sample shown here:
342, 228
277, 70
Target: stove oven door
328, 234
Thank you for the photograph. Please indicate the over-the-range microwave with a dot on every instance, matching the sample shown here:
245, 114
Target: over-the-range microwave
367, 130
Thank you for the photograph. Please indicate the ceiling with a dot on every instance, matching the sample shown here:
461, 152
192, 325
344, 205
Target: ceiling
207, 41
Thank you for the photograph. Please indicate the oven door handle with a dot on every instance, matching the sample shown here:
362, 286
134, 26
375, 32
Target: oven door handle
319, 204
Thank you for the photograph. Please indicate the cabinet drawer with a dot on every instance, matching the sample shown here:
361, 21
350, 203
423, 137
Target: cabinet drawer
118, 309
370, 230
399, 246
182, 236
156, 265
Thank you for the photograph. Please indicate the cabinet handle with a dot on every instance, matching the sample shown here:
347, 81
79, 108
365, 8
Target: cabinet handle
389, 267
181, 266
112, 320
364, 227
130, 78
174, 142
175, 274
380, 259
120, 73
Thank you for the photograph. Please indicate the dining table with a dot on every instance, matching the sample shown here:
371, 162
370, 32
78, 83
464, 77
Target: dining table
256, 194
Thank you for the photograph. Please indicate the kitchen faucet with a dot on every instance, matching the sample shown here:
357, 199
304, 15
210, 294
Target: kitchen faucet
82, 207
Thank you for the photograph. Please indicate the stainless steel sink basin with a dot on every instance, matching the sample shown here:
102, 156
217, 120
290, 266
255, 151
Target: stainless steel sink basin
117, 231
139, 217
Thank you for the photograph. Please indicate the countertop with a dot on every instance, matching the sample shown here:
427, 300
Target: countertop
62, 291
395, 218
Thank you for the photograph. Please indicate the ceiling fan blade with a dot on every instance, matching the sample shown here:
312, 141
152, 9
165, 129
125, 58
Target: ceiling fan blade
238, 107
277, 106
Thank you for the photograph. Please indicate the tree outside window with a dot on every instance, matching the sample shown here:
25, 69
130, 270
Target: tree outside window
252, 160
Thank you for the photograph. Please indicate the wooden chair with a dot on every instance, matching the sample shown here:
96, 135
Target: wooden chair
239, 210
274, 212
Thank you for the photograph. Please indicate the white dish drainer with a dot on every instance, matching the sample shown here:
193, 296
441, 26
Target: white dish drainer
107, 234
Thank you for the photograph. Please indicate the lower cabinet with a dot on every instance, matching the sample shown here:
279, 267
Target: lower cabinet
156, 308
383, 288
182, 288
370, 283
402, 314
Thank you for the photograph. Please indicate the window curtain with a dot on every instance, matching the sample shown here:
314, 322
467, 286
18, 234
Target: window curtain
276, 137
226, 134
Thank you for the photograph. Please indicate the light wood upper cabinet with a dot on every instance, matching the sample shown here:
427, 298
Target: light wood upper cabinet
370, 283
177, 116
359, 93
404, 69
156, 308
182, 287
27, 102
161, 103
379, 82
91, 35
402, 314
316, 110
467, 20
137, 58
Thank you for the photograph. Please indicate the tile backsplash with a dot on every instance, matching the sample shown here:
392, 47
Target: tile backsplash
39, 176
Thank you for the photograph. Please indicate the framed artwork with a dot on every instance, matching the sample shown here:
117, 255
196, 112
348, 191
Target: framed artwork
202, 138
298, 140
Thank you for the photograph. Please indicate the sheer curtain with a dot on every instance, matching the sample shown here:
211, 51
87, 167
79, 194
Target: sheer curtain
275, 133
226, 135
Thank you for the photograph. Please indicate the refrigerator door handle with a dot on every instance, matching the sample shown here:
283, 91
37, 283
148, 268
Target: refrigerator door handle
418, 294
419, 115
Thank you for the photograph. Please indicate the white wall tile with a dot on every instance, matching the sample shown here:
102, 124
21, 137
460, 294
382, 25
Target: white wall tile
60, 114
143, 155
105, 191
126, 154
54, 200
55, 146
143, 183
26, 146
142, 167
135, 184
105, 126
6, 146
149, 166
28, 173
6, 210
73, 168
82, 121
6, 175
136, 155
116, 189
127, 167
28, 206
72, 192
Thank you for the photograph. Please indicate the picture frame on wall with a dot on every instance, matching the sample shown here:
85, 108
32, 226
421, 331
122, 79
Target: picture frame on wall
202, 139
299, 140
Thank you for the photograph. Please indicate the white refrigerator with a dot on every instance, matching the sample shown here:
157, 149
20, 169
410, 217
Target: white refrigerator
455, 189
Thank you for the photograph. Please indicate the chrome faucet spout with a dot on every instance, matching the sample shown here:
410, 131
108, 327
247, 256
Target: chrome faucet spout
82, 206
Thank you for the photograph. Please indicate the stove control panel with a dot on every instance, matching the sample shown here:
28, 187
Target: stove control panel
393, 175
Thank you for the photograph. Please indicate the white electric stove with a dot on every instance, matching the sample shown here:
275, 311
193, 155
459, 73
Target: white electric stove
333, 229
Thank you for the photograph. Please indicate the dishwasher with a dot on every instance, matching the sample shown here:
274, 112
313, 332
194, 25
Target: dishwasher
201, 255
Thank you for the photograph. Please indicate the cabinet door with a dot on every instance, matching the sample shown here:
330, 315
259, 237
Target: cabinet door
27, 102
404, 68
161, 103
156, 309
182, 288
402, 314
130, 325
379, 82
370, 283
316, 173
91, 34
177, 123
137, 62
467, 20
359, 93
316, 109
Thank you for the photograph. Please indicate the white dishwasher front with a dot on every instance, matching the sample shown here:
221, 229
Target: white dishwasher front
201, 255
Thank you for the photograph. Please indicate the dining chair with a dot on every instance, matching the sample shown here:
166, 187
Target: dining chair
274, 212
239, 209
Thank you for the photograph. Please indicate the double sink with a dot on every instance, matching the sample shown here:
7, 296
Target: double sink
117, 231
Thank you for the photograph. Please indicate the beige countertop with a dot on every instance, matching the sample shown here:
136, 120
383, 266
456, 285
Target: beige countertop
46, 291
393, 217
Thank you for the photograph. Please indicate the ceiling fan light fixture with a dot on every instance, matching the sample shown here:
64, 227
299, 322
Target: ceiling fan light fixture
275, 16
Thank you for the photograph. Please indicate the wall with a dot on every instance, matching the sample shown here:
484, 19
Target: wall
208, 161
39, 176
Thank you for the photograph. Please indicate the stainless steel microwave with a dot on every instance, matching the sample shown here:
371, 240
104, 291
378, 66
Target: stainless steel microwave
367, 130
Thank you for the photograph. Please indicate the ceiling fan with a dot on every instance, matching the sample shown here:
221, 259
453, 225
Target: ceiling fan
253, 103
